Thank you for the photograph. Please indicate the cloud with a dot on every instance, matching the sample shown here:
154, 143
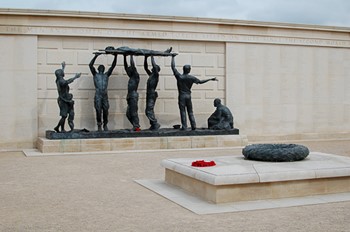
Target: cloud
325, 12
322, 12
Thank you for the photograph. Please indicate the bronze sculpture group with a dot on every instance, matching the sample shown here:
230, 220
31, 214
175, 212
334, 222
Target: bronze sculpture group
221, 119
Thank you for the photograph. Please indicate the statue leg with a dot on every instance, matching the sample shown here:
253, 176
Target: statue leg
71, 120
134, 114
61, 124
98, 107
182, 107
190, 113
128, 111
150, 113
105, 107
63, 113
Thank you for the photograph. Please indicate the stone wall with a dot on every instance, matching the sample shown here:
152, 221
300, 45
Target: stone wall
296, 91
282, 81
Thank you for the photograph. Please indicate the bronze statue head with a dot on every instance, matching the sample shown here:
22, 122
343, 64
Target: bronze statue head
101, 68
187, 68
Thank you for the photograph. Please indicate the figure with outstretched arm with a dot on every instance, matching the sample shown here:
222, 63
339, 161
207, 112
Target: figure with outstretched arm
152, 95
133, 96
101, 102
184, 85
65, 99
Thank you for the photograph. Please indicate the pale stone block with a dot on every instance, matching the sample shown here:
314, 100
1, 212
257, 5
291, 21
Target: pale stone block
210, 85
215, 48
18, 90
70, 145
41, 56
123, 144
86, 83
171, 106
84, 58
48, 42
180, 61
170, 83
167, 95
204, 60
232, 140
191, 47
204, 141
58, 56
48, 69
221, 85
197, 95
221, 61
49, 146
214, 72
341, 184
50, 83
203, 105
102, 43
76, 43
148, 143
215, 94
289, 89
51, 149
223, 182
179, 142
95, 145
41, 85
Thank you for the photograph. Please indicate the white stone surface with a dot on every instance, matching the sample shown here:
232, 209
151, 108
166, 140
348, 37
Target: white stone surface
200, 206
236, 170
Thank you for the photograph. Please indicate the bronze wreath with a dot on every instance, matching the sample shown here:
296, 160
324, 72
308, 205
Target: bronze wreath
275, 152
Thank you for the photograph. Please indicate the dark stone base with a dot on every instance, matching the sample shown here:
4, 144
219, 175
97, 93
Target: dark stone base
163, 132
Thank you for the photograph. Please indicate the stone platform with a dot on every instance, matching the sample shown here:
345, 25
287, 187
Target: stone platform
186, 141
125, 133
235, 179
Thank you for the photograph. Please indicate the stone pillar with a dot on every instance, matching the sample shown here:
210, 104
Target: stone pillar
18, 91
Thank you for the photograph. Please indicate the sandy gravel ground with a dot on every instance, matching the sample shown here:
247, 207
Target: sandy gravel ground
97, 193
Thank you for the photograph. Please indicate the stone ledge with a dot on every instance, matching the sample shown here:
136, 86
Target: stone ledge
236, 179
163, 132
139, 143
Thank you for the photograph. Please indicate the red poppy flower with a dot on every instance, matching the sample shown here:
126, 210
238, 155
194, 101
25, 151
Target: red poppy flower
202, 163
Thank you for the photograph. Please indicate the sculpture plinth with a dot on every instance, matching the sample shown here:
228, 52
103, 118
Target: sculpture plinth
163, 132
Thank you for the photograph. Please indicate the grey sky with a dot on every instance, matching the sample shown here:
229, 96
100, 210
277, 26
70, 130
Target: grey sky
320, 12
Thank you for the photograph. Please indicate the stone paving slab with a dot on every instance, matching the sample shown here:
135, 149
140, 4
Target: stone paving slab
200, 206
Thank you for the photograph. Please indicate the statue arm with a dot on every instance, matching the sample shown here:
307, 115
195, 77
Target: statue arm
92, 62
176, 73
154, 65
206, 80
145, 65
73, 78
125, 63
132, 62
114, 63
63, 65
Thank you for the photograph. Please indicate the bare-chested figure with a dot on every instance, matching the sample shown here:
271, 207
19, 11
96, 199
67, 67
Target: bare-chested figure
101, 79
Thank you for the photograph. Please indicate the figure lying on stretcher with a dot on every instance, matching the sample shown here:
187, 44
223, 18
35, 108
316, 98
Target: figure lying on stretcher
136, 52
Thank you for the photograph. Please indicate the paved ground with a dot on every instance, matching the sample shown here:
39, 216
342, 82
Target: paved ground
97, 193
